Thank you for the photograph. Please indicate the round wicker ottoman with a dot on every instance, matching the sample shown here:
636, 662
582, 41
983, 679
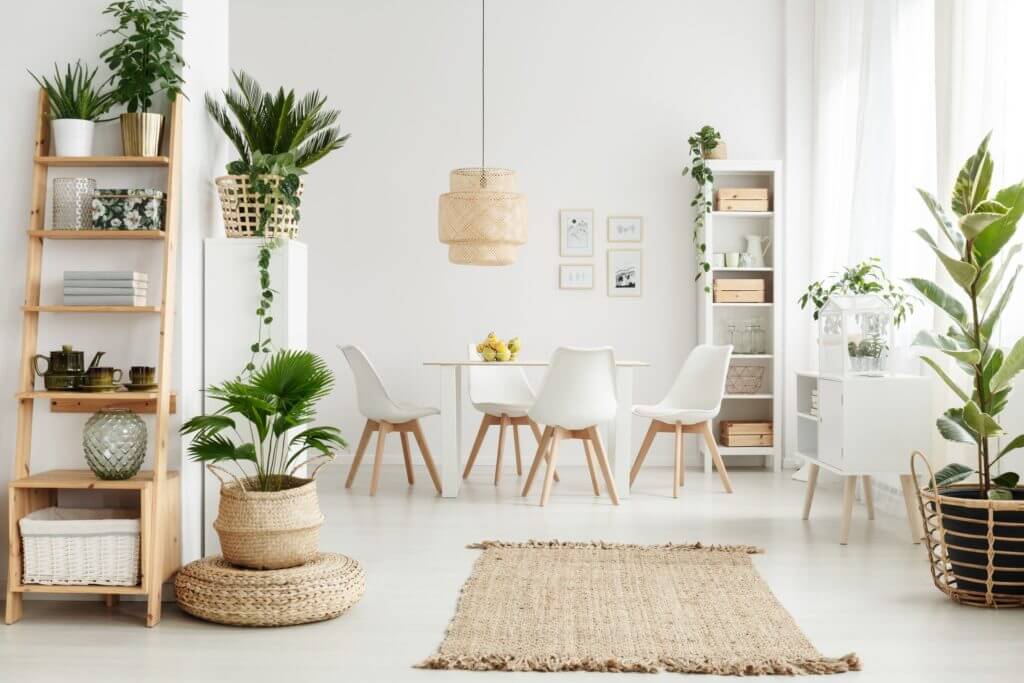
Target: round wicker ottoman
323, 588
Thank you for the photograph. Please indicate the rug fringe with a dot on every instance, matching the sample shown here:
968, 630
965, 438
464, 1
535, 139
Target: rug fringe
605, 545
795, 667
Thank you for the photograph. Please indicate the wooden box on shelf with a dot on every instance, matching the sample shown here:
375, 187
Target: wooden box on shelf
739, 290
746, 433
742, 199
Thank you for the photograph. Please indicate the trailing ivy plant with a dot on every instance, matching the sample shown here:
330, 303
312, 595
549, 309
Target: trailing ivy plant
978, 266
145, 61
701, 143
867, 277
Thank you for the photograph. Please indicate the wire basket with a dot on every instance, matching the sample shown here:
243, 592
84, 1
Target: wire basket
744, 379
240, 207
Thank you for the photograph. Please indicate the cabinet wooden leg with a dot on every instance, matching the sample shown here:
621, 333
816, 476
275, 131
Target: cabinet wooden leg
849, 491
913, 511
812, 483
111, 600
869, 496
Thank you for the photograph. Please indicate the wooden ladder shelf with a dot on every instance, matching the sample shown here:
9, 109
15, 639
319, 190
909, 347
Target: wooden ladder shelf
158, 490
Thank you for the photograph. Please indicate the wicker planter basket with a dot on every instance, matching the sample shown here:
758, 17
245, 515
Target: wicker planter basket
267, 530
975, 546
241, 209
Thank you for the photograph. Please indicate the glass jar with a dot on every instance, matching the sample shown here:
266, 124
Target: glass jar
743, 341
114, 442
757, 339
730, 337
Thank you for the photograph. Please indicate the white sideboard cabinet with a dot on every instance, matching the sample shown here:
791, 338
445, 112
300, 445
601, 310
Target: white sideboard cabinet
860, 426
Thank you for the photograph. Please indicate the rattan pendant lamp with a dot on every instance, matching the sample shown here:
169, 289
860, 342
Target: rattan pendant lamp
482, 218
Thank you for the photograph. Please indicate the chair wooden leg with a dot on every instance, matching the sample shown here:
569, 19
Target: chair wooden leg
485, 423
503, 425
869, 496
542, 449
709, 438
849, 490
421, 441
588, 451
652, 431
407, 456
602, 459
378, 459
364, 441
537, 435
812, 483
519, 453
678, 458
549, 476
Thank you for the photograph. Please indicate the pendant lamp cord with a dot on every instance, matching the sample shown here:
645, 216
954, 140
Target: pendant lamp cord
483, 84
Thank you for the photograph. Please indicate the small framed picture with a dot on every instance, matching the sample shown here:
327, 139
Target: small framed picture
576, 276
625, 229
625, 272
576, 233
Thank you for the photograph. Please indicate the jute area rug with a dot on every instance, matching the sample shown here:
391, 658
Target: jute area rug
553, 606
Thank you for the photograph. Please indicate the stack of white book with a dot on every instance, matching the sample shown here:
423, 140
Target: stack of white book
105, 288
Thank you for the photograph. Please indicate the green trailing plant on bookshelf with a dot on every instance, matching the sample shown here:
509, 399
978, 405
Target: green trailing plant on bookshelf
979, 261
701, 143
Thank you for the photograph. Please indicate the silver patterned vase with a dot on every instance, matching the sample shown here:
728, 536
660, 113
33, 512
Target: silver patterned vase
114, 442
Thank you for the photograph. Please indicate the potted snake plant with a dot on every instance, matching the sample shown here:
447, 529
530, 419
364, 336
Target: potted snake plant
144, 63
256, 443
76, 105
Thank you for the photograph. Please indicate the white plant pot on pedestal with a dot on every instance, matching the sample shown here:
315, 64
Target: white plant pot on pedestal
72, 137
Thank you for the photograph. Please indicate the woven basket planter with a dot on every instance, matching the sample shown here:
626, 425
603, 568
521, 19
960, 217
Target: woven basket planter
975, 545
241, 209
268, 530
323, 588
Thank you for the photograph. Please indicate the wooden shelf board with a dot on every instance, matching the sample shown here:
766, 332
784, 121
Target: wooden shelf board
744, 214
87, 402
85, 162
748, 396
86, 480
91, 588
91, 309
98, 234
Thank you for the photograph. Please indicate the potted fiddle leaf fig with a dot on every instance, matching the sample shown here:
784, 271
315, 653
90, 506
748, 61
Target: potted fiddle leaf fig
704, 144
269, 517
76, 104
976, 512
144, 63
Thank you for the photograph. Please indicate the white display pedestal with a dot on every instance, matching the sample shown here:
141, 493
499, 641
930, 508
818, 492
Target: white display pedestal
231, 295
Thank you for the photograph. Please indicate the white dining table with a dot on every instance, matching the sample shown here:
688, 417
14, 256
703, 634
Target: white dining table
618, 433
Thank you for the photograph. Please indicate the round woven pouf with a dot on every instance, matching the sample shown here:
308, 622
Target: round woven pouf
323, 588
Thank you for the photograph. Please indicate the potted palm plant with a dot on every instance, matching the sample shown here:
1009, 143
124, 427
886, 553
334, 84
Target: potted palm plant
277, 136
975, 514
76, 104
143, 63
268, 517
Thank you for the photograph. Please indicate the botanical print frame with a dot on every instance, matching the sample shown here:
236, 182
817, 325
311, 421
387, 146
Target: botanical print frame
625, 228
576, 276
625, 272
576, 232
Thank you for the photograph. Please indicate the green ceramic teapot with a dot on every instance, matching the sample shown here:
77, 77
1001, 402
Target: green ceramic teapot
65, 369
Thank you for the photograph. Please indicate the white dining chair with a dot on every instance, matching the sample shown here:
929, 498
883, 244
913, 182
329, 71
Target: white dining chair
385, 415
503, 395
578, 395
691, 404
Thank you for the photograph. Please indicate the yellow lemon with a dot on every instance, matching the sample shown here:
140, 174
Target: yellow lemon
514, 344
488, 354
504, 354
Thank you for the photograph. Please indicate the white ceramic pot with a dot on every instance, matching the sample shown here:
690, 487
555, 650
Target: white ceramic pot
72, 137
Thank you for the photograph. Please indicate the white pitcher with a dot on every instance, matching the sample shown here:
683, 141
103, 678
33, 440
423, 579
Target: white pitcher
757, 247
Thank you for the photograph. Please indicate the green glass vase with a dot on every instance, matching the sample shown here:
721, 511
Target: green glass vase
114, 442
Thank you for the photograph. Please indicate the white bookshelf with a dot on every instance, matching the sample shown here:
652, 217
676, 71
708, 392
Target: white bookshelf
724, 231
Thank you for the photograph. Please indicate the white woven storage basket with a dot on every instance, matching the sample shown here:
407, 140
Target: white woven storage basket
71, 546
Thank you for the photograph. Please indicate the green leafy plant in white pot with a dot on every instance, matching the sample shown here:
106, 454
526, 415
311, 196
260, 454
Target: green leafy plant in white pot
77, 103
975, 513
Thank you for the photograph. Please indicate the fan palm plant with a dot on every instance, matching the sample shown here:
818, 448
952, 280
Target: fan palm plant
267, 408
276, 123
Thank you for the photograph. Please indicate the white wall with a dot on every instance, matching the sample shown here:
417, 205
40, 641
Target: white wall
590, 101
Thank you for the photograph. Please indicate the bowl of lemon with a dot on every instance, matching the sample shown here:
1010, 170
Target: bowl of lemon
494, 350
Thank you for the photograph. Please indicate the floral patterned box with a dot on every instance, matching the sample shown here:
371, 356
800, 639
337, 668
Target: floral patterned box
137, 209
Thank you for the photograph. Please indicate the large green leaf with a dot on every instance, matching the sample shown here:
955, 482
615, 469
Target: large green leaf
980, 422
973, 224
938, 296
988, 285
952, 473
946, 378
993, 238
953, 428
1013, 363
982, 181
993, 314
967, 181
943, 221
991, 366
969, 356
1000, 494
1015, 443
962, 272
1006, 480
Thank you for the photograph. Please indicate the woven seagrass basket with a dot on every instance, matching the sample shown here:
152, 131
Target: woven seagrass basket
975, 546
241, 209
268, 530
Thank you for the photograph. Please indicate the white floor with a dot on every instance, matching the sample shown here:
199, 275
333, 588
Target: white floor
873, 596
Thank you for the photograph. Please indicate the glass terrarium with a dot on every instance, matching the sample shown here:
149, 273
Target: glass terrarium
855, 334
